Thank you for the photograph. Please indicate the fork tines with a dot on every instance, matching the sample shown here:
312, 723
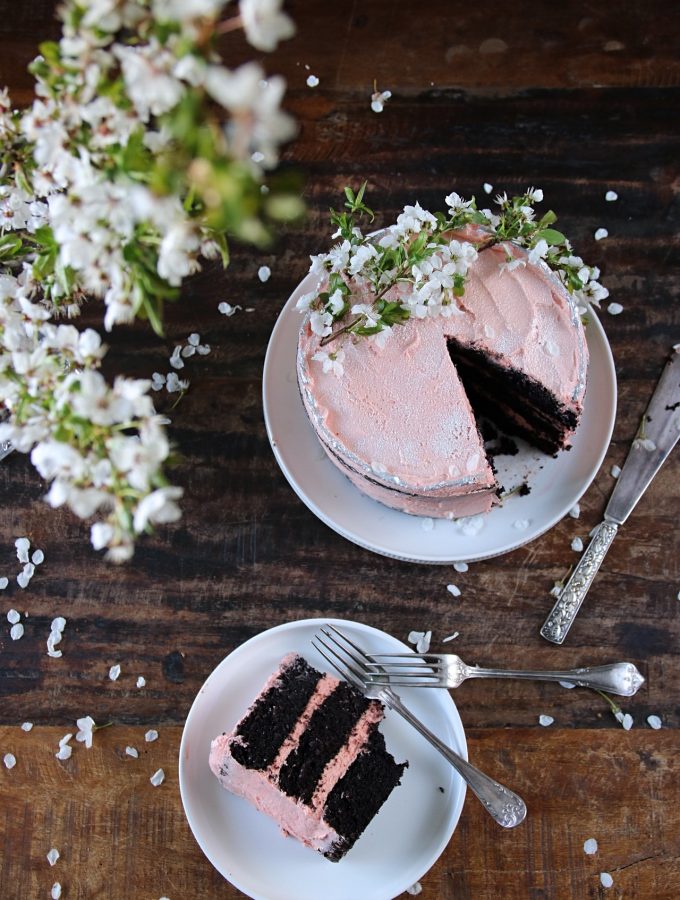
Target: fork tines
350, 661
360, 667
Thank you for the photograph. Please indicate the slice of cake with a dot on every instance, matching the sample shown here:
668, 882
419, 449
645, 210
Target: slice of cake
309, 754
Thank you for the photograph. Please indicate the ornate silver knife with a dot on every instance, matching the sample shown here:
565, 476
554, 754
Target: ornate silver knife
658, 434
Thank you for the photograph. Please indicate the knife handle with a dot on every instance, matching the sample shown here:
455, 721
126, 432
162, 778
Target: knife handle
567, 605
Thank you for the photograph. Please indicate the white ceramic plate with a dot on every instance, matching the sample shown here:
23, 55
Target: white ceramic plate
556, 484
398, 847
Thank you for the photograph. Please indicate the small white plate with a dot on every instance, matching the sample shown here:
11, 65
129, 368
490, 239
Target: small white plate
556, 484
399, 846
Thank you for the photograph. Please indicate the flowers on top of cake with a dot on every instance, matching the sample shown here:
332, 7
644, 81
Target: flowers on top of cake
417, 267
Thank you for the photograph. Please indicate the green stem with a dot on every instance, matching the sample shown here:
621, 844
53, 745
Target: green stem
334, 334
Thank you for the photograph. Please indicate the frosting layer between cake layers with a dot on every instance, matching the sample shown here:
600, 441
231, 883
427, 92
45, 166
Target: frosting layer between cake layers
399, 423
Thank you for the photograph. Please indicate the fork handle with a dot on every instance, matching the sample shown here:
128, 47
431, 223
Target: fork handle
621, 678
501, 803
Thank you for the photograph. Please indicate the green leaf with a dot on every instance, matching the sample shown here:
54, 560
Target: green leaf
551, 236
548, 219
51, 53
45, 236
220, 239
10, 246
365, 330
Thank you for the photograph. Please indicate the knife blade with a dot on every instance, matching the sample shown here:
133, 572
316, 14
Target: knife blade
658, 434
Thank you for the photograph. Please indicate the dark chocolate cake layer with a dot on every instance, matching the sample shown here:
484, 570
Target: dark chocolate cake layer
270, 721
512, 400
327, 732
358, 796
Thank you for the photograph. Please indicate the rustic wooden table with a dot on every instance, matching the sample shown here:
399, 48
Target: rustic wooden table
577, 101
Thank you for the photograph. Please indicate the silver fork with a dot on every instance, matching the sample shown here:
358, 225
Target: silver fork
446, 670
355, 666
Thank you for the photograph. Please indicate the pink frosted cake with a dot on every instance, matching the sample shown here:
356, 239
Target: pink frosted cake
401, 422
308, 753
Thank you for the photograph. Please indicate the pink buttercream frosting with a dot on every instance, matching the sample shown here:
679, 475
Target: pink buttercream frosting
260, 787
398, 422
293, 816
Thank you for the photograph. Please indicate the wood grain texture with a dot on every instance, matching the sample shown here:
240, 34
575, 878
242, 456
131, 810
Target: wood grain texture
120, 838
556, 110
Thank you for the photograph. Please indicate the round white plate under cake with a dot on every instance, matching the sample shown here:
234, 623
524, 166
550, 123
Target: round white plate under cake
401, 843
556, 483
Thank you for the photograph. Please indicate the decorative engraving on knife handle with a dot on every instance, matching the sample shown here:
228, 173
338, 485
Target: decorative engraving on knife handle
569, 602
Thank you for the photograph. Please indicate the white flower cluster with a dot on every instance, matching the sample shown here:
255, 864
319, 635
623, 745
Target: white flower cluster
418, 266
93, 205
434, 280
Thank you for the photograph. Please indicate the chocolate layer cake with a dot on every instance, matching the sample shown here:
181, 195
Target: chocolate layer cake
401, 421
309, 754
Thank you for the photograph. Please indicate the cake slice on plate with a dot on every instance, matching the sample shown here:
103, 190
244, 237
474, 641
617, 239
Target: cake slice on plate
309, 754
